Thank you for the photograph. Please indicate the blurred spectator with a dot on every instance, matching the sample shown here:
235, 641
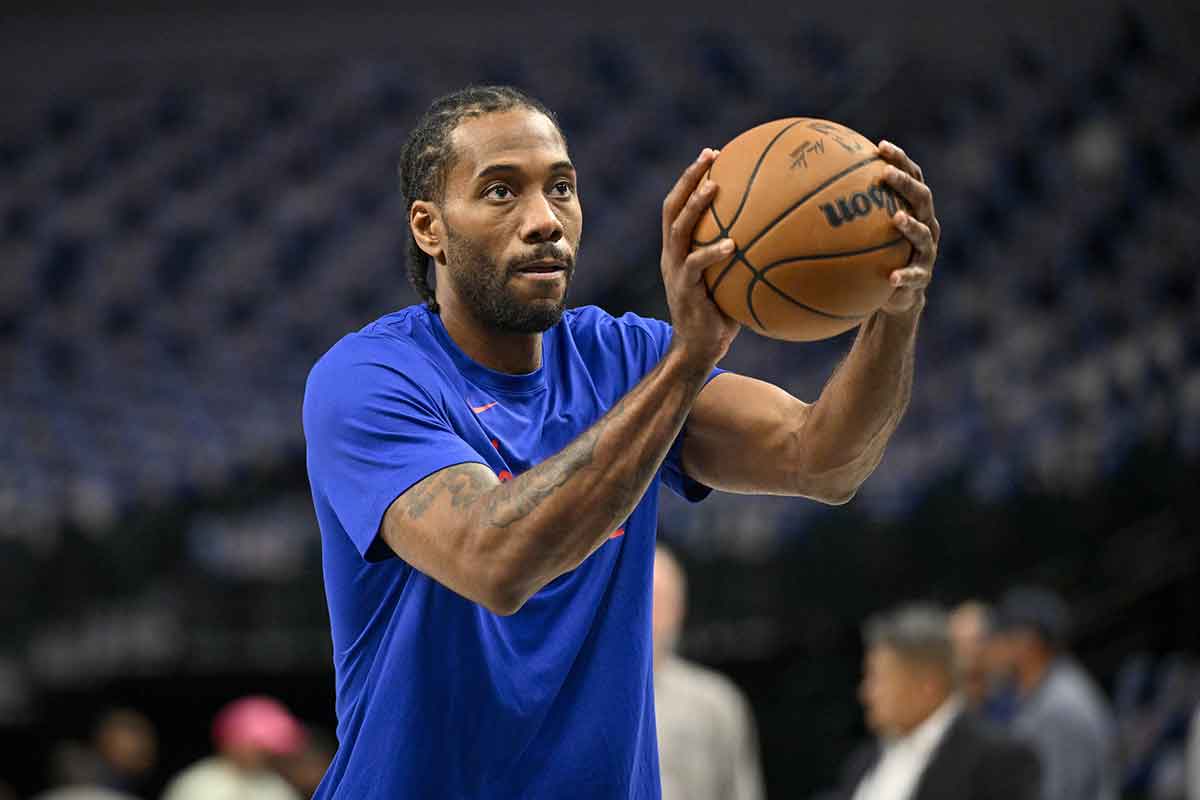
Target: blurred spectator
118, 763
1193, 759
250, 735
927, 747
1154, 699
1061, 711
127, 744
983, 691
305, 769
76, 773
968, 636
707, 743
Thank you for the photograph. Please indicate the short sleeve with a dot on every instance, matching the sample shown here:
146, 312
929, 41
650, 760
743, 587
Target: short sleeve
372, 430
682, 484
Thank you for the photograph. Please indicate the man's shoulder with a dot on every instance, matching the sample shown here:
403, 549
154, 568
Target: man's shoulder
198, 778
976, 759
588, 319
83, 793
993, 750
214, 776
988, 735
630, 338
401, 340
406, 327
1070, 697
702, 684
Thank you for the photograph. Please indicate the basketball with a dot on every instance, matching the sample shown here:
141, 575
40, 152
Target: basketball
805, 202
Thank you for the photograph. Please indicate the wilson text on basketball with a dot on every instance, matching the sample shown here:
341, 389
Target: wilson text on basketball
859, 204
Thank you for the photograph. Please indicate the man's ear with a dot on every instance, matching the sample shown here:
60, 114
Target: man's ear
425, 221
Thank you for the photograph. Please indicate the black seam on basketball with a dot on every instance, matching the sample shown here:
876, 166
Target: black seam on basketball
816, 190
750, 294
761, 275
805, 306
838, 254
720, 227
725, 229
740, 254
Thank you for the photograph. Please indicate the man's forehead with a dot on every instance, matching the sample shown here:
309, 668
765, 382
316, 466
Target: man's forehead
887, 656
516, 135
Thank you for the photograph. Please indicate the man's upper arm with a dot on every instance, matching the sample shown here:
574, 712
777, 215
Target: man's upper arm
372, 432
738, 433
428, 527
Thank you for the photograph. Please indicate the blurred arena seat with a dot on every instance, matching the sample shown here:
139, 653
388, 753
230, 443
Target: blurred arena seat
178, 249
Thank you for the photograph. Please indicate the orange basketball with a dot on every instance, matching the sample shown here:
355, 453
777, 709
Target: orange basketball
805, 202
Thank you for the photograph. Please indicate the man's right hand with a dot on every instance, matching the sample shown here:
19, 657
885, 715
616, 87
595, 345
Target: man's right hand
702, 330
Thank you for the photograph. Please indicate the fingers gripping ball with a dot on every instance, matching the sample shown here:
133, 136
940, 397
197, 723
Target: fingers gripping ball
805, 202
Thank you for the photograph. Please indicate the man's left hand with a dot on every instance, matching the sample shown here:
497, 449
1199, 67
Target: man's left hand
920, 227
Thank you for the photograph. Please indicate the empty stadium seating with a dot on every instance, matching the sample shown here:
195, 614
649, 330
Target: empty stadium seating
178, 249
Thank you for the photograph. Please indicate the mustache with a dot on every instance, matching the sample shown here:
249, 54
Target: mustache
541, 252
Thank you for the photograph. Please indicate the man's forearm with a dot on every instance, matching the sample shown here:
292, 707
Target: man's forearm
550, 518
849, 426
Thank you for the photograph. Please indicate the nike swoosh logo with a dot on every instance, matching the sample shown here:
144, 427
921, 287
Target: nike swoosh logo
483, 408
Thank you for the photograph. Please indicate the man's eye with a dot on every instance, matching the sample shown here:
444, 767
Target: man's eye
498, 192
563, 188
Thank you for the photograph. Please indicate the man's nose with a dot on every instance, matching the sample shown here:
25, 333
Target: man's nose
540, 223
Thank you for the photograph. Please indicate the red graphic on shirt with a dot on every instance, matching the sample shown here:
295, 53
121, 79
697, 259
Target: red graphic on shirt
616, 533
484, 407
504, 475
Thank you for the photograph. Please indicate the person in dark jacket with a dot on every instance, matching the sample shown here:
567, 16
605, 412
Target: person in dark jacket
926, 747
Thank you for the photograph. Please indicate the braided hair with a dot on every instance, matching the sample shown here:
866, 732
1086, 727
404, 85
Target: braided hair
428, 155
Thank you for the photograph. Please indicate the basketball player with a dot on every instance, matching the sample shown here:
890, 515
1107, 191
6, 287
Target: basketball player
485, 468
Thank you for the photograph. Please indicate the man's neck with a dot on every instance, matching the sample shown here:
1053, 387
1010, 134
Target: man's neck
513, 353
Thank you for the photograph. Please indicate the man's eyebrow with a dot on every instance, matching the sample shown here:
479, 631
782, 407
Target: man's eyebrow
506, 168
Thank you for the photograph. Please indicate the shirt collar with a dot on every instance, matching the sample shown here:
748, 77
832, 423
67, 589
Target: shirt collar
525, 383
928, 735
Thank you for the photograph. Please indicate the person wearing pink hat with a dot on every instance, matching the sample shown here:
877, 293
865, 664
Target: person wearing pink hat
249, 734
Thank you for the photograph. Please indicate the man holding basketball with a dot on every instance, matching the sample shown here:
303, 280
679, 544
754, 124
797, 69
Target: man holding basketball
484, 468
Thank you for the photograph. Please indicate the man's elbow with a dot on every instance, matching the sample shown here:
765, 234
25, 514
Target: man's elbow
836, 486
837, 495
505, 591
831, 488
503, 603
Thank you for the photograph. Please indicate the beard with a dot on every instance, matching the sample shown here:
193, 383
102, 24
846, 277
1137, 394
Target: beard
485, 287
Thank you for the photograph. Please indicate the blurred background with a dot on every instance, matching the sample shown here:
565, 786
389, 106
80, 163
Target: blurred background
196, 203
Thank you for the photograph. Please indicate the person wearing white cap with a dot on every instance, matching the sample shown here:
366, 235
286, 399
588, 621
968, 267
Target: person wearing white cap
248, 733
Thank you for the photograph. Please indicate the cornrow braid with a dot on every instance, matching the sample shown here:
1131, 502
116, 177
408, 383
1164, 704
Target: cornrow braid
427, 156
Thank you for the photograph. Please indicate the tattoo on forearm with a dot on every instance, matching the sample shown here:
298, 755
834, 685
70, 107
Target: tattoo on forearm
416, 501
512, 501
463, 485
518, 500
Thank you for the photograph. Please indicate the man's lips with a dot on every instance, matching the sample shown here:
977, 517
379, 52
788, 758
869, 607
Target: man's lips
543, 266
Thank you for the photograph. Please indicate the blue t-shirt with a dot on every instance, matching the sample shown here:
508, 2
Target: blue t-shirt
437, 697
